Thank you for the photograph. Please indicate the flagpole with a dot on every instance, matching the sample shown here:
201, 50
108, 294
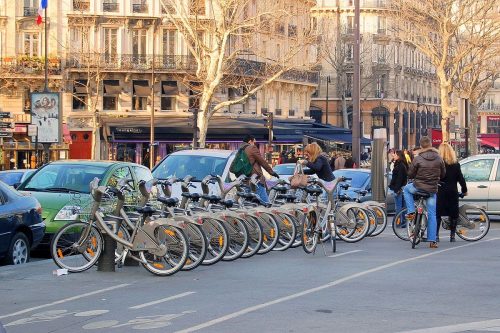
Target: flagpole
46, 88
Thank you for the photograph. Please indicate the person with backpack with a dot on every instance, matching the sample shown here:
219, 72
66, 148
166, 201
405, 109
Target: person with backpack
248, 161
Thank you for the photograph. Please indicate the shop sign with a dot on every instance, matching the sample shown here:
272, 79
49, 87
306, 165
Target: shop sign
5, 134
45, 111
493, 118
32, 130
5, 115
5, 125
131, 130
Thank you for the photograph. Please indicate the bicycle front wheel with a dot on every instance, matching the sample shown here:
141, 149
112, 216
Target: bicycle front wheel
310, 236
255, 236
238, 238
359, 218
76, 246
415, 230
288, 231
177, 247
381, 218
474, 225
399, 225
271, 231
197, 246
217, 240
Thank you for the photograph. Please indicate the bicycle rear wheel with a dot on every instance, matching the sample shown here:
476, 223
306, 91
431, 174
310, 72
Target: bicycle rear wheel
217, 240
271, 231
399, 225
309, 235
474, 226
177, 246
76, 246
415, 230
238, 238
256, 236
288, 231
361, 223
197, 246
381, 218
372, 221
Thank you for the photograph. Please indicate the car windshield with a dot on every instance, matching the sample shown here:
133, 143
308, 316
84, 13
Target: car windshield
284, 169
196, 166
358, 178
11, 178
64, 178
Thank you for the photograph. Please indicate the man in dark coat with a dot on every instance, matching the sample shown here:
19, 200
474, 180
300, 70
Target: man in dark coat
426, 170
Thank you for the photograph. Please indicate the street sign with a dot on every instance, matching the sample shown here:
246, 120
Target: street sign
5, 134
6, 125
5, 115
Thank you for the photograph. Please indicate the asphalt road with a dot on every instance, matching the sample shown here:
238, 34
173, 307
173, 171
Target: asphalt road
377, 285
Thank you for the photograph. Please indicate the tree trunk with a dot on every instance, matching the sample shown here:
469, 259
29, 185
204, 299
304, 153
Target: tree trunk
446, 108
345, 116
203, 128
473, 126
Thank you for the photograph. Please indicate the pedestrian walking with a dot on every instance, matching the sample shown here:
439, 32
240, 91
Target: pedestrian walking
317, 162
426, 170
447, 202
399, 178
258, 162
339, 162
332, 161
349, 163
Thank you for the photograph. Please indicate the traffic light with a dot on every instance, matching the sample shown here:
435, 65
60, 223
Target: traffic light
269, 120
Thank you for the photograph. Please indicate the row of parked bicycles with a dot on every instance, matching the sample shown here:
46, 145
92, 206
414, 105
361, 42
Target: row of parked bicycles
166, 234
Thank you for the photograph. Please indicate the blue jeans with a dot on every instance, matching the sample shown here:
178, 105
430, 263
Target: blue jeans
409, 190
261, 191
398, 200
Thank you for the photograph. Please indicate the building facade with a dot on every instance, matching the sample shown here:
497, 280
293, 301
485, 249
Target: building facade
115, 64
399, 89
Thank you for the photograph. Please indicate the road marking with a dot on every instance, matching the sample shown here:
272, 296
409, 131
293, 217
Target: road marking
325, 286
343, 254
65, 300
487, 325
163, 300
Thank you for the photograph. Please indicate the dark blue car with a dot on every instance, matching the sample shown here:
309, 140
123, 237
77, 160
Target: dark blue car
21, 225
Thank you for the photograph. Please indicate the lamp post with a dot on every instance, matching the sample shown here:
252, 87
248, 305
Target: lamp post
327, 102
356, 117
152, 118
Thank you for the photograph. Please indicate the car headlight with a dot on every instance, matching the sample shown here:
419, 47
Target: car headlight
68, 213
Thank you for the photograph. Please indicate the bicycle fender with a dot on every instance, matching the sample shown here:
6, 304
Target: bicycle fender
463, 208
346, 207
172, 222
374, 203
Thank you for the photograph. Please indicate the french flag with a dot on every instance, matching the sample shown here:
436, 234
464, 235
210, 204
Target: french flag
41, 8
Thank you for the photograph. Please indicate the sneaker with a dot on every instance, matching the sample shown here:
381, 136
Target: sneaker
410, 217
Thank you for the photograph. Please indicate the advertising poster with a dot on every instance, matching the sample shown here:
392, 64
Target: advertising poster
46, 116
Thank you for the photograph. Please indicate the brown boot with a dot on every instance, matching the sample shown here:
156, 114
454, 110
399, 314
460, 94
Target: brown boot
433, 245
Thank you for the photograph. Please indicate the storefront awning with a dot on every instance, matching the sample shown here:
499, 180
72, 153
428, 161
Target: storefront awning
142, 91
170, 89
491, 142
112, 89
338, 138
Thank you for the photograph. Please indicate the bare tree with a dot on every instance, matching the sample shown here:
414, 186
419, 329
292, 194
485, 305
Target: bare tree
240, 44
445, 31
476, 76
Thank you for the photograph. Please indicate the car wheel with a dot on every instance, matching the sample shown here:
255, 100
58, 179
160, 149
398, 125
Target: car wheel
19, 250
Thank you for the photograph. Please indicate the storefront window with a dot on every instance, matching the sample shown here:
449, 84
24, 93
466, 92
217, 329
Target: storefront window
126, 152
493, 124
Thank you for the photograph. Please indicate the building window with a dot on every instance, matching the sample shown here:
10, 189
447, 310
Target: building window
194, 94
169, 91
168, 42
167, 7
31, 44
139, 6
79, 38
80, 95
493, 124
350, 24
397, 85
349, 52
81, 5
110, 6
141, 91
110, 44
30, 8
111, 92
381, 25
139, 45
380, 87
348, 85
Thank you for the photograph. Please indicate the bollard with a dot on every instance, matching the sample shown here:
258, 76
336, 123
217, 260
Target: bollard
106, 262
379, 156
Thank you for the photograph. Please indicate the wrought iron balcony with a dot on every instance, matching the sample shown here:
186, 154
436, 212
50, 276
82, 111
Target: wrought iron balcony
140, 7
81, 5
29, 65
30, 11
110, 6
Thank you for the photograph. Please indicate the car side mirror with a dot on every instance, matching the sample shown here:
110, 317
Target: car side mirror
16, 185
369, 189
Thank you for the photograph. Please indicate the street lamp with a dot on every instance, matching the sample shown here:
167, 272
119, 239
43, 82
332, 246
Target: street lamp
327, 83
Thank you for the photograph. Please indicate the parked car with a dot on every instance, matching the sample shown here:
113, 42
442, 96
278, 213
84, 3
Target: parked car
482, 174
196, 163
15, 177
286, 170
361, 180
21, 225
62, 188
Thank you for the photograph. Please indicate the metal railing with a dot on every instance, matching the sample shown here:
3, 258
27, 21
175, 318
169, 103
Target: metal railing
278, 112
29, 65
30, 11
110, 6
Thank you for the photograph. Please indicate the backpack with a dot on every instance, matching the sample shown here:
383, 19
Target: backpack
241, 164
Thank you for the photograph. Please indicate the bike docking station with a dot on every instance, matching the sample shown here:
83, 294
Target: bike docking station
379, 165
106, 262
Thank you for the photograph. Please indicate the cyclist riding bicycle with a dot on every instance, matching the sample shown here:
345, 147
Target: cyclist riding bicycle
426, 170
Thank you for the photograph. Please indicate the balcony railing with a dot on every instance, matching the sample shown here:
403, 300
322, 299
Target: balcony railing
29, 65
81, 5
110, 6
373, 4
489, 107
291, 113
382, 31
278, 112
130, 62
30, 11
139, 8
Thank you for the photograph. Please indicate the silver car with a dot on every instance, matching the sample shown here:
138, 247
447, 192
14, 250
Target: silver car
482, 174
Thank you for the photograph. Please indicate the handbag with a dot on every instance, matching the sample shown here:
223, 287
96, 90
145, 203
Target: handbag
299, 179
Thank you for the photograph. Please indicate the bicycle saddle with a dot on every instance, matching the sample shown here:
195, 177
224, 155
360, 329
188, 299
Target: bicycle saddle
422, 194
193, 196
227, 203
146, 210
280, 188
313, 190
247, 195
287, 197
169, 202
211, 198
